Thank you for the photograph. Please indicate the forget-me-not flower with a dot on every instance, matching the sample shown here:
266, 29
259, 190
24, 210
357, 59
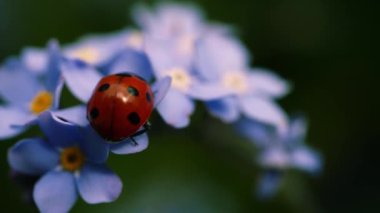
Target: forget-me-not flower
27, 94
71, 161
171, 32
178, 105
222, 59
279, 151
170, 20
98, 50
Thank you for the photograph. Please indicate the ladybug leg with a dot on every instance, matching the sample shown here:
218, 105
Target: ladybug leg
146, 126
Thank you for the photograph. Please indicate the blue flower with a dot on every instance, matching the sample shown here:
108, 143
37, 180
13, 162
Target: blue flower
27, 94
81, 79
170, 20
71, 161
222, 59
171, 32
99, 50
178, 105
279, 151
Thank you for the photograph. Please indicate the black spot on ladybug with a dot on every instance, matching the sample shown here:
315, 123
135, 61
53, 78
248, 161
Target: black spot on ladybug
134, 118
104, 87
133, 91
94, 113
124, 74
148, 97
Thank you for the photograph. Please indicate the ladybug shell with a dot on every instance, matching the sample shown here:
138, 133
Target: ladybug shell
119, 106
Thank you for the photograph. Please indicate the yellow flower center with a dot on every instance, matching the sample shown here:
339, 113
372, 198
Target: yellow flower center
236, 81
72, 159
88, 54
41, 102
181, 80
135, 40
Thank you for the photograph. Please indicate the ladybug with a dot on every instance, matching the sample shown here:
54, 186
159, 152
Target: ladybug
120, 105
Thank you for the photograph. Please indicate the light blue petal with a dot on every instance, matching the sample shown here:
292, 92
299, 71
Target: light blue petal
176, 109
297, 130
58, 131
164, 55
105, 46
95, 148
268, 184
260, 134
53, 75
76, 115
80, 78
132, 61
160, 88
54, 80
264, 82
274, 157
32, 156
306, 159
217, 54
265, 111
208, 91
159, 55
55, 192
127, 146
13, 121
98, 184
169, 20
35, 59
57, 94
14, 93
225, 109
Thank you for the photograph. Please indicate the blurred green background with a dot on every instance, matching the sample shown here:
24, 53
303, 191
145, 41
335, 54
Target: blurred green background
329, 51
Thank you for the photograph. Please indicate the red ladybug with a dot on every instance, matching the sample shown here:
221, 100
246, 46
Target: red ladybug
119, 106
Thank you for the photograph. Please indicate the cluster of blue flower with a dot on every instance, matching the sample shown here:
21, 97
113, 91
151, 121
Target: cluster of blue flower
206, 62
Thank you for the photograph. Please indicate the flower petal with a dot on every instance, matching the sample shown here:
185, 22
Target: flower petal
128, 146
212, 63
55, 192
264, 110
54, 80
261, 135
268, 184
274, 157
176, 109
95, 148
35, 59
53, 66
76, 115
98, 184
297, 130
80, 78
32, 156
208, 91
160, 89
13, 121
132, 61
226, 109
14, 93
306, 159
60, 133
164, 55
263, 81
